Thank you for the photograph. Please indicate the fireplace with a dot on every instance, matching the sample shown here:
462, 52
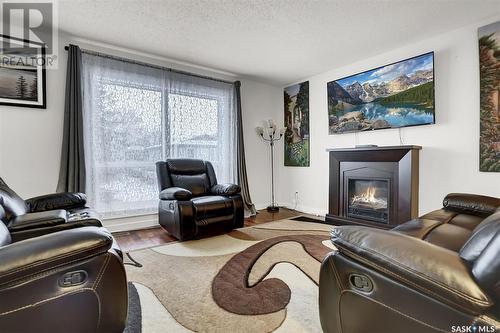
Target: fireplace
374, 186
368, 199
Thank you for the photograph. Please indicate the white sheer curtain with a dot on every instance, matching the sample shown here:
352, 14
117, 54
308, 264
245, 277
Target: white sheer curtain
135, 115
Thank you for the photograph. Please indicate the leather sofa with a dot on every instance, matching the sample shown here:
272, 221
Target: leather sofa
192, 203
436, 273
67, 280
44, 214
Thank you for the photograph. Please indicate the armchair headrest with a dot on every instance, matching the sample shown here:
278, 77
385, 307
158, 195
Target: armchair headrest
196, 176
186, 166
473, 204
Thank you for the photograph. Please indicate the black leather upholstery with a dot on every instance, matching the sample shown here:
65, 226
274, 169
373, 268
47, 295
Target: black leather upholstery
192, 204
66, 200
12, 203
44, 214
426, 275
36, 220
67, 281
225, 189
175, 193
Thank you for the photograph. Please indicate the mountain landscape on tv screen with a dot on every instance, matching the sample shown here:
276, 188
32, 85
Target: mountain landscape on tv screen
397, 95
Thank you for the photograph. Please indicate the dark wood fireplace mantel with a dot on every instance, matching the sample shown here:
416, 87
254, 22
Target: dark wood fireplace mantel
394, 166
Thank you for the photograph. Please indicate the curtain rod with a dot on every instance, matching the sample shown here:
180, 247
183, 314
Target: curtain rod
135, 62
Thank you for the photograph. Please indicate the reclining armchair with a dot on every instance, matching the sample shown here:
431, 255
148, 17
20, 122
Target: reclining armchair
437, 273
192, 204
66, 281
44, 214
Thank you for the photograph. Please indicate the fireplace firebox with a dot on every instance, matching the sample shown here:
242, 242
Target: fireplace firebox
374, 186
368, 199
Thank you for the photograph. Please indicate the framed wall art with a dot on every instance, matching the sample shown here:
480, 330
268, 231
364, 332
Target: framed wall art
297, 145
22, 73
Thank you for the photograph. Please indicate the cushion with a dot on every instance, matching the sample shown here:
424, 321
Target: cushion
449, 236
480, 238
12, 203
196, 184
4, 232
212, 206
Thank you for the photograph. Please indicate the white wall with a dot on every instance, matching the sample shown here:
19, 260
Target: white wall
261, 102
449, 158
30, 139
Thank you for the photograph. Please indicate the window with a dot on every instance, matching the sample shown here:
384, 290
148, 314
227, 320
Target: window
136, 115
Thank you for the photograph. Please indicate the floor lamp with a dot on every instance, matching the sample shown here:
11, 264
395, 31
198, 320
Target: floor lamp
269, 133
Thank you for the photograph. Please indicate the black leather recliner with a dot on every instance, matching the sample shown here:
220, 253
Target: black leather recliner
44, 214
64, 281
192, 204
437, 273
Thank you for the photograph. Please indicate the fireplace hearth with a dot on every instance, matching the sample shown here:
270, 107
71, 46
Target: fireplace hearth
375, 186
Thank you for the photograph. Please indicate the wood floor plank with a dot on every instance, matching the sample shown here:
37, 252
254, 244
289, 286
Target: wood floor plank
154, 236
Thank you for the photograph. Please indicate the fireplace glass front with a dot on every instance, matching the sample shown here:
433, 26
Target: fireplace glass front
368, 200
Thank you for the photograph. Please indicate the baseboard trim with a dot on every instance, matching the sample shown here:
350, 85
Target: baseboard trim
131, 223
305, 209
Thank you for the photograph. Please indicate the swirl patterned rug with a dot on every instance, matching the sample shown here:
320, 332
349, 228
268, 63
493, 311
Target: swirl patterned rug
257, 279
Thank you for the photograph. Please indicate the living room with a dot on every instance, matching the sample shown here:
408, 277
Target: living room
151, 141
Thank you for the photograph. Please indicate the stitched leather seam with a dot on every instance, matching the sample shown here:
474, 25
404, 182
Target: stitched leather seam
337, 276
490, 321
450, 218
45, 301
392, 309
99, 309
390, 273
399, 276
101, 273
56, 268
61, 256
424, 277
339, 284
432, 229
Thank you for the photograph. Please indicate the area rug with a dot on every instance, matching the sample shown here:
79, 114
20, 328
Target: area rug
257, 279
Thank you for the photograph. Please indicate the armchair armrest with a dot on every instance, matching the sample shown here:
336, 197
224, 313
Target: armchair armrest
32, 256
38, 220
67, 200
225, 189
175, 193
430, 269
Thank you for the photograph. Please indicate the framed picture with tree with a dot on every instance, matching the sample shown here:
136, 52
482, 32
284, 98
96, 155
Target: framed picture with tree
489, 107
22, 73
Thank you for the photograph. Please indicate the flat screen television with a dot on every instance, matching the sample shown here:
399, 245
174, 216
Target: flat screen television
396, 95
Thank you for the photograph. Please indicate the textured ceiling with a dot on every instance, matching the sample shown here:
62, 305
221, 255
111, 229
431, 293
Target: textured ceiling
278, 41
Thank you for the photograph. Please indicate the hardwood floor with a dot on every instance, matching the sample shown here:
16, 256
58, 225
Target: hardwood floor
143, 238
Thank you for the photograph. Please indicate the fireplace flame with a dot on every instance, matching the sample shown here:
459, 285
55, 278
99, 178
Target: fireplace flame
370, 194
369, 198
